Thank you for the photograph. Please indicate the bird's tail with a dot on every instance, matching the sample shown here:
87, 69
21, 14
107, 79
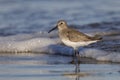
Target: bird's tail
97, 37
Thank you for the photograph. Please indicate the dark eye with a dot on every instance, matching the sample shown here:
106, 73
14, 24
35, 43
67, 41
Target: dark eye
61, 23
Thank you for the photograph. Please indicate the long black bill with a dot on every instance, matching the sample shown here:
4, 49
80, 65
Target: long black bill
52, 29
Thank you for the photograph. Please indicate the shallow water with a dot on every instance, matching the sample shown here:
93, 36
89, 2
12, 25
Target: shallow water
53, 67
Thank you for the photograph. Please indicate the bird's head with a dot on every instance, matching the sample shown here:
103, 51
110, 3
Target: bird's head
61, 24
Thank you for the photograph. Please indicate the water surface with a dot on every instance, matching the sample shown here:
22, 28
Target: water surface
53, 67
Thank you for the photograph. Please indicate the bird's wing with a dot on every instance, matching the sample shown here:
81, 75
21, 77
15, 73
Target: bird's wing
76, 36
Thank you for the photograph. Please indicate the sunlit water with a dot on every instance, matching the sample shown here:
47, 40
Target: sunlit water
28, 52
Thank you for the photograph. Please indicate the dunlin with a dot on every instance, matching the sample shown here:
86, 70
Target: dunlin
73, 38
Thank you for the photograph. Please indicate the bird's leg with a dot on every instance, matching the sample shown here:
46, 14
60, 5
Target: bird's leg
77, 56
77, 61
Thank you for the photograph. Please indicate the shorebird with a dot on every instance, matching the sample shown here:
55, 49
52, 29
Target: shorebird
72, 37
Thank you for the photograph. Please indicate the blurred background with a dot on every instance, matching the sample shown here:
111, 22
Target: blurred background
29, 16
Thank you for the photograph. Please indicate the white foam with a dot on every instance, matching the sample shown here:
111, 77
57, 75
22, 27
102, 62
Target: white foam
50, 43
23, 43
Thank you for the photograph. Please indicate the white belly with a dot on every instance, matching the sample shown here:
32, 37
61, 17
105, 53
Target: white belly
77, 44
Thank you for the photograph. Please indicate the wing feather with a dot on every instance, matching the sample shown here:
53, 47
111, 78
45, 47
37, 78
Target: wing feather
75, 36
